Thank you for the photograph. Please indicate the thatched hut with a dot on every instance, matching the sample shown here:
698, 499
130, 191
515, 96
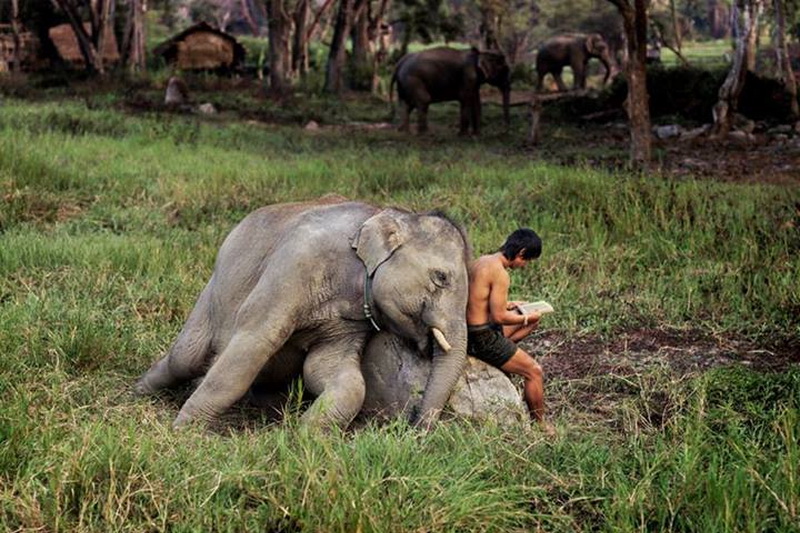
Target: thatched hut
66, 44
202, 47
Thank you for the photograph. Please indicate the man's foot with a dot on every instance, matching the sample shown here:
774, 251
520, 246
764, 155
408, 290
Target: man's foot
548, 428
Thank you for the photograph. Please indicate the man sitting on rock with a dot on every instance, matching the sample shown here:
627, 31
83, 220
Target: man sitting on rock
494, 325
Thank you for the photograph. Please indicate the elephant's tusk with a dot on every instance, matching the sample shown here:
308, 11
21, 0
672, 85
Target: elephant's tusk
440, 338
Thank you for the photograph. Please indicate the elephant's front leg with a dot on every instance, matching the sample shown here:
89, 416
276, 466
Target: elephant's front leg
332, 372
560, 82
475, 117
229, 377
463, 125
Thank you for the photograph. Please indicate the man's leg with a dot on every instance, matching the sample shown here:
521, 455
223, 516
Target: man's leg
518, 332
526, 366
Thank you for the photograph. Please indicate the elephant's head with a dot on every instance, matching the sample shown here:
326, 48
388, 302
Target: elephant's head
493, 69
418, 266
597, 47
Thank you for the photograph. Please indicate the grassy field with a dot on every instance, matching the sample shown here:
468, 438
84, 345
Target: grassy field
109, 224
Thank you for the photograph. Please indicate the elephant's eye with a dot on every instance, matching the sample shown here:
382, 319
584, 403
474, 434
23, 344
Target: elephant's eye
439, 278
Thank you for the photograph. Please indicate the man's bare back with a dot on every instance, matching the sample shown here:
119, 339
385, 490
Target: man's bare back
494, 323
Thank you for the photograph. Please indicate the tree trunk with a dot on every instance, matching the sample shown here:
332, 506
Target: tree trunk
93, 60
247, 14
676, 27
634, 19
317, 17
337, 56
299, 41
100, 14
784, 63
279, 25
133, 53
746, 20
361, 57
15, 34
752, 36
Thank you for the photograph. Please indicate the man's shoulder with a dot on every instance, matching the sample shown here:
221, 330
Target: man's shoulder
489, 266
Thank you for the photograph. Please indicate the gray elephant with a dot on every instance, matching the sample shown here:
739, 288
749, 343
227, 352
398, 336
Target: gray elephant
573, 50
301, 288
446, 74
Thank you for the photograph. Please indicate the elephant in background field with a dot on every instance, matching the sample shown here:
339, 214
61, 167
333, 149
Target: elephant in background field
300, 288
445, 74
573, 50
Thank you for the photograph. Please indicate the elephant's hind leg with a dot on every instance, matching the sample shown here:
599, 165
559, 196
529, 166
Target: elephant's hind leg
333, 372
405, 117
187, 357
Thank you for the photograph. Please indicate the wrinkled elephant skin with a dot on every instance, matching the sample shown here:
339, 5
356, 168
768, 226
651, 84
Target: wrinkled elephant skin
287, 296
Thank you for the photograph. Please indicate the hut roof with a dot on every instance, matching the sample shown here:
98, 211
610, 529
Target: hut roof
197, 47
66, 43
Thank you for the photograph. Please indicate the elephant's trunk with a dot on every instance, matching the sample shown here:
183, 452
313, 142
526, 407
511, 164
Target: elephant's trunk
447, 367
606, 61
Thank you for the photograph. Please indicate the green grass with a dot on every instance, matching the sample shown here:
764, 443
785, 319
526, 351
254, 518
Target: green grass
109, 224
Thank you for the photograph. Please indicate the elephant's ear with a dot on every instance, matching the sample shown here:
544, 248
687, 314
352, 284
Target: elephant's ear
379, 237
592, 41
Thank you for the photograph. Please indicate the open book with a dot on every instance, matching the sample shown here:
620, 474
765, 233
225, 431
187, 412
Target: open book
529, 307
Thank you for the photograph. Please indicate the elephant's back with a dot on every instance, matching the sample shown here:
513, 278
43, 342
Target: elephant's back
432, 60
267, 228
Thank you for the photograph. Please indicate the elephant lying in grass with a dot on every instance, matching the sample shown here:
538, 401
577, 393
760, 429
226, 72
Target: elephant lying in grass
301, 288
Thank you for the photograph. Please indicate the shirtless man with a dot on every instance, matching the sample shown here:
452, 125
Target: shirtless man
493, 323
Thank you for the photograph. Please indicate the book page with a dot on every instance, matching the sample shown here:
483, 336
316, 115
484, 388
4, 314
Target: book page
540, 306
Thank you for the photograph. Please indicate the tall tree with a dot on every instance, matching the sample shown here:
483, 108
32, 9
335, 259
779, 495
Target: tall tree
280, 27
334, 71
133, 40
784, 62
15, 34
746, 14
366, 33
634, 21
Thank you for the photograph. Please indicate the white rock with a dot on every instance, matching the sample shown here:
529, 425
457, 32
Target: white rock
667, 131
207, 108
396, 376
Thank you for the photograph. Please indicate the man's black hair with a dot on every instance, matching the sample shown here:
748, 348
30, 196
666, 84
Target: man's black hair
523, 238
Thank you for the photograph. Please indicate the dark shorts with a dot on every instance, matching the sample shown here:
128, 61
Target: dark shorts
488, 344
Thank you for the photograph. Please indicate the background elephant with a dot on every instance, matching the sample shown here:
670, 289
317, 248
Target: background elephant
293, 289
444, 74
573, 50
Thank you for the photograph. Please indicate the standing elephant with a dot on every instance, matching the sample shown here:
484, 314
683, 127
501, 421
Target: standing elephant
301, 288
573, 50
445, 74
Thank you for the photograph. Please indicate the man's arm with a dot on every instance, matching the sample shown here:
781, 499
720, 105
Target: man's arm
499, 305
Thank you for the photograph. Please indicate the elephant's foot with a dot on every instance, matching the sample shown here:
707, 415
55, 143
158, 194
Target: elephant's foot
159, 377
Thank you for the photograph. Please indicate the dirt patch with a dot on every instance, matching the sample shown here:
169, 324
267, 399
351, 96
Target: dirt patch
681, 352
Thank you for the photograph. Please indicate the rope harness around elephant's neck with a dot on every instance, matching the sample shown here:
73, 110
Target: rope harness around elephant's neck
368, 299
